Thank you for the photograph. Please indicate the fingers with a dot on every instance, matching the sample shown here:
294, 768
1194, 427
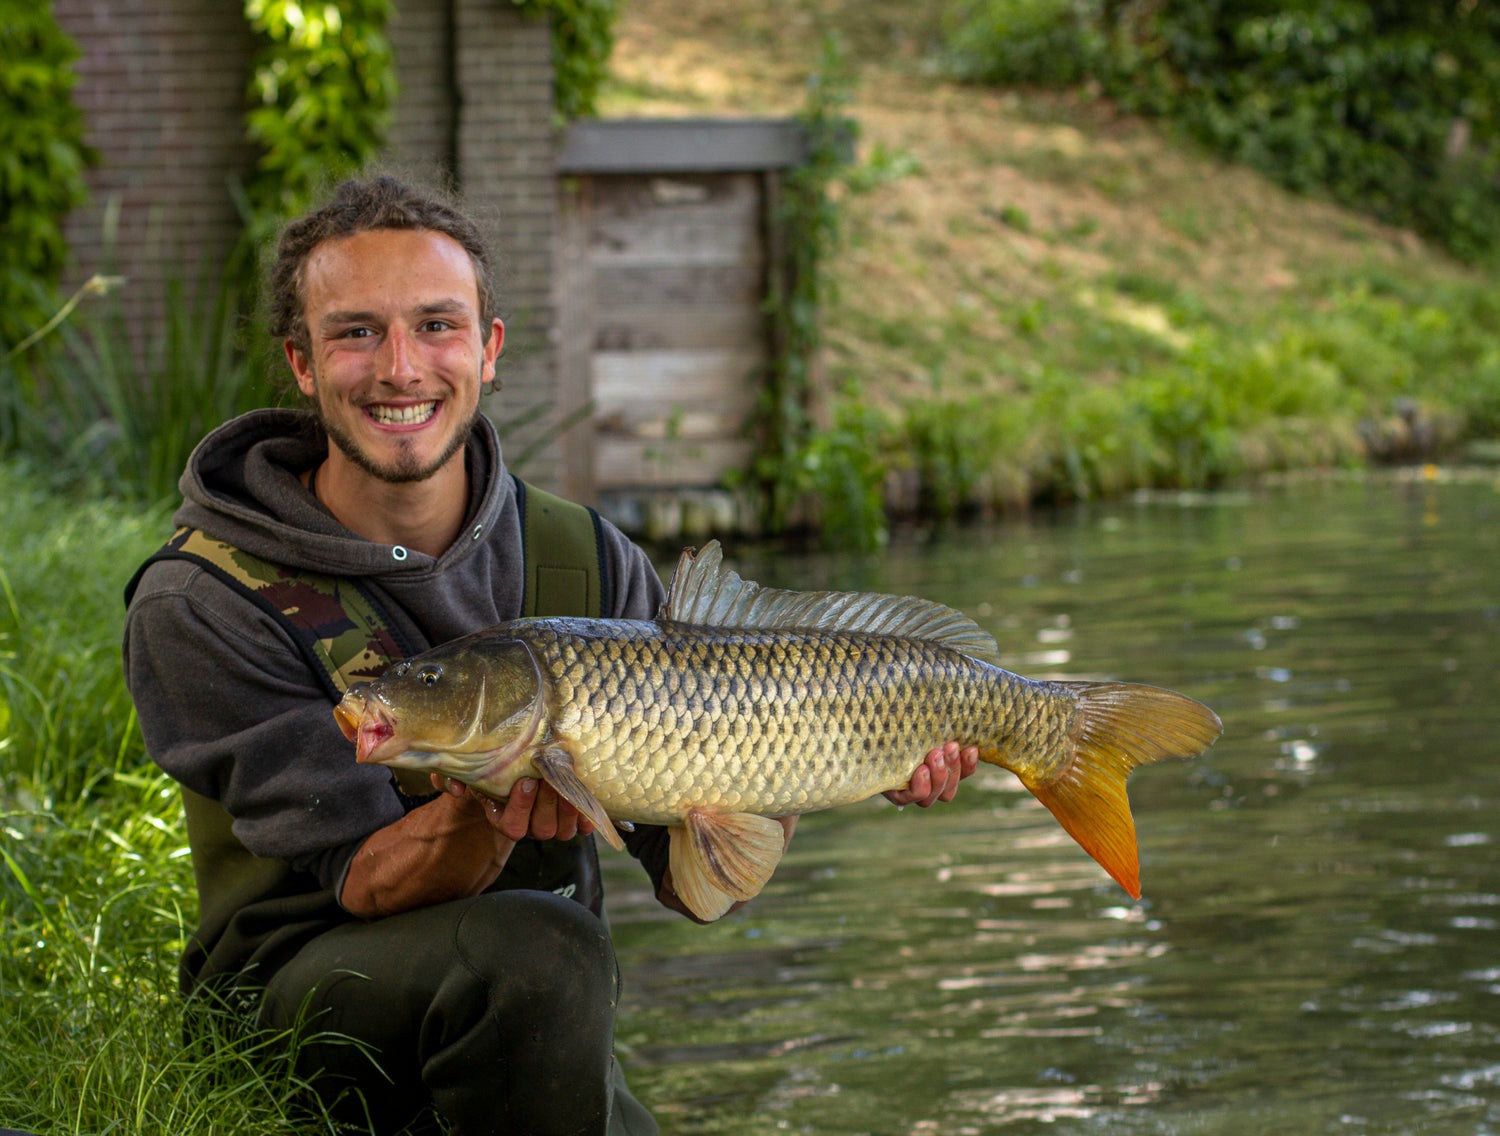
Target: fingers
514, 817
534, 809
938, 777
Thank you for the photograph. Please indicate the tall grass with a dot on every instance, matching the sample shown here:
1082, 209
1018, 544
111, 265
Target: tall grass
98, 407
96, 886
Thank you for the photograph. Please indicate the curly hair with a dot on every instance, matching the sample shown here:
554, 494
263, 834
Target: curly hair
359, 206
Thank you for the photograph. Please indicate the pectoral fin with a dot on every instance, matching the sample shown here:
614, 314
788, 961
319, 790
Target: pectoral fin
719, 857
556, 767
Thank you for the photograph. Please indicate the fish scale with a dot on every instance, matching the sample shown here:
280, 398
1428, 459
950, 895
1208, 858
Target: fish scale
772, 724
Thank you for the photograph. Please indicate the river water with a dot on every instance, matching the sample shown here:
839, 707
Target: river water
1318, 946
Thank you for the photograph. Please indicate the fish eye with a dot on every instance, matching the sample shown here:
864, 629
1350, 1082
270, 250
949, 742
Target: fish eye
430, 675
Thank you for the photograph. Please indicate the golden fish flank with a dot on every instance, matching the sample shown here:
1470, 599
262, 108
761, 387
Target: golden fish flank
740, 703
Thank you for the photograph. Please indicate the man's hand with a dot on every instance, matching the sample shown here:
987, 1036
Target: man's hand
452, 847
937, 778
533, 809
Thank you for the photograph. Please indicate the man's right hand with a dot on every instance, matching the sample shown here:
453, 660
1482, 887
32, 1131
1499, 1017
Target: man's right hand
533, 809
452, 847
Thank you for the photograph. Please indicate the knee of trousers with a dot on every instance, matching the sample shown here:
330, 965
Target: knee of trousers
539, 951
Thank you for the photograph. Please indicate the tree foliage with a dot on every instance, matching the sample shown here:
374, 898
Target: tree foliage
1387, 105
42, 158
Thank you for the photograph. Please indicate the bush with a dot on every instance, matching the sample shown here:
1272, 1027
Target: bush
1388, 106
42, 158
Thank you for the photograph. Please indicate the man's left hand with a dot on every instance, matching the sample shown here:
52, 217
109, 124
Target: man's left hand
937, 778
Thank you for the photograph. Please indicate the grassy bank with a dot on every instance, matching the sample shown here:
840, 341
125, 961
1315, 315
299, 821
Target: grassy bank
96, 889
1058, 301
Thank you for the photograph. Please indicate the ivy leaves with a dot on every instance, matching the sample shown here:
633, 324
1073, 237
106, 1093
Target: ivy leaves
322, 84
42, 158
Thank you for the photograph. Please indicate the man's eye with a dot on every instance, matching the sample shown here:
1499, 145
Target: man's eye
436, 325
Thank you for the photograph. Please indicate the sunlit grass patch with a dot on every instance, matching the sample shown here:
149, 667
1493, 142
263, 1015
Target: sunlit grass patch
96, 885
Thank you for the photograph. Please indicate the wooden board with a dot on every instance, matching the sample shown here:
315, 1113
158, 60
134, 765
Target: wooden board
622, 462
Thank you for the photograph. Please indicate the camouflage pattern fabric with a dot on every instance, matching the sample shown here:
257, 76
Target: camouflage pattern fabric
339, 626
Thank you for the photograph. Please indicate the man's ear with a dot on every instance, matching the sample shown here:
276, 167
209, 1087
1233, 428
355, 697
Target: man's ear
307, 383
492, 348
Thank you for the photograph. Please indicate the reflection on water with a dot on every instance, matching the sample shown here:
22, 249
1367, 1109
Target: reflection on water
1317, 949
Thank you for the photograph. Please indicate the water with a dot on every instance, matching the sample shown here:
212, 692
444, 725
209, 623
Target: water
1318, 949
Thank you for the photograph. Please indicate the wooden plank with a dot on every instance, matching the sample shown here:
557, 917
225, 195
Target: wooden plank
664, 378
635, 463
691, 285
723, 228
574, 291
662, 144
654, 423
740, 326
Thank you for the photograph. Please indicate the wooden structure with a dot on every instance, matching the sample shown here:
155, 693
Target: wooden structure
667, 231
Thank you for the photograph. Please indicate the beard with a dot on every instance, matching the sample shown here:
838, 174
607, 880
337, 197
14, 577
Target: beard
406, 468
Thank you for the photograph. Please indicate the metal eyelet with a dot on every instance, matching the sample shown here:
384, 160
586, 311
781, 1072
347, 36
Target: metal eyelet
398, 553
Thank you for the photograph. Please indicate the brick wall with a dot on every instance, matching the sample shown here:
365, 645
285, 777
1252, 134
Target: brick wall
162, 87
426, 112
507, 165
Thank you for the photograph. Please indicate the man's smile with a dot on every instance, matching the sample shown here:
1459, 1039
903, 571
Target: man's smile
410, 414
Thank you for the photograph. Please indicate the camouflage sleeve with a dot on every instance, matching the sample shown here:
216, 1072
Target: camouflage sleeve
229, 708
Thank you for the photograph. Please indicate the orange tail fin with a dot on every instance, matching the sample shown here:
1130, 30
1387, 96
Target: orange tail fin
1120, 726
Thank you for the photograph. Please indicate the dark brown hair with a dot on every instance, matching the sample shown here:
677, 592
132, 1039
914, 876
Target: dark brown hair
359, 206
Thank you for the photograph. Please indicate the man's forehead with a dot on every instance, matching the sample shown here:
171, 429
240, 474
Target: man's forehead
421, 266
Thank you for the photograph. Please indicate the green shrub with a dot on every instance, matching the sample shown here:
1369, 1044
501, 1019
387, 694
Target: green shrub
1389, 106
583, 36
42, 158
842, 471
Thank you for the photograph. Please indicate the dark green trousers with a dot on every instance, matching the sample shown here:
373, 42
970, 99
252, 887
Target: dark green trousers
496, 1011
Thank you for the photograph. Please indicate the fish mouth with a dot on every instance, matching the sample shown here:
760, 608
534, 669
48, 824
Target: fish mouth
365, 723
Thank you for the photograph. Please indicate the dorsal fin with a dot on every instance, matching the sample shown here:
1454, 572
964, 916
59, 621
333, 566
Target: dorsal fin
707, 594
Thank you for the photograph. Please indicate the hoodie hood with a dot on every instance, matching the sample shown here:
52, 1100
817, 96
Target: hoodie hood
243, 485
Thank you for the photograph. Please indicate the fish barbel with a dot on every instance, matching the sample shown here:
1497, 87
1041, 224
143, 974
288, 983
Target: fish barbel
739, 704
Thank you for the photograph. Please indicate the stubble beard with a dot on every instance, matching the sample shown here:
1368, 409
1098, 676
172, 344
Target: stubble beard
404, 470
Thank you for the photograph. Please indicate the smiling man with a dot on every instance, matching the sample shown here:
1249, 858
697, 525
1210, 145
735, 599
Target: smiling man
445, 950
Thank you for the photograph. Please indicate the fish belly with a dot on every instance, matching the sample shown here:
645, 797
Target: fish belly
663, 719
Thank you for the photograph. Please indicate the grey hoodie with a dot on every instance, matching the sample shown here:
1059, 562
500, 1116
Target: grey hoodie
227, 703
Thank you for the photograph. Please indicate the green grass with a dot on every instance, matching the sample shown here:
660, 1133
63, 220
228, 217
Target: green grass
96, 887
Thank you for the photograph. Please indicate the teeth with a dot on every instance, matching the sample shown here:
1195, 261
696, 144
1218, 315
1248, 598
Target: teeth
402, 415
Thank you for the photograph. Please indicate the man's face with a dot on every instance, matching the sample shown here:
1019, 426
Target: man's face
398, 352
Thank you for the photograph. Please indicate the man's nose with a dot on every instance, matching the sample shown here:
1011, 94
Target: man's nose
399, 362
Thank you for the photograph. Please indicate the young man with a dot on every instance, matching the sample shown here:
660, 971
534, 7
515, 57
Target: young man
457, 939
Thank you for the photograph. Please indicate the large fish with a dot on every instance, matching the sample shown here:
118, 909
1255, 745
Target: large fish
740, 703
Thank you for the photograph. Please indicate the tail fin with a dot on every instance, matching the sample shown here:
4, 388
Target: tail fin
1119, 726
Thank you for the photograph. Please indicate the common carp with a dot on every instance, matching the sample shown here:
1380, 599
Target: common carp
741, 703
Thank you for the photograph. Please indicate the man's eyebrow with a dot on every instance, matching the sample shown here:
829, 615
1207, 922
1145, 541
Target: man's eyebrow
442, 307
434, 308
333, 319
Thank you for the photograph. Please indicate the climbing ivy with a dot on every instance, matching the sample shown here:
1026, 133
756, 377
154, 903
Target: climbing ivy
42, 158
583, 35
321, 87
